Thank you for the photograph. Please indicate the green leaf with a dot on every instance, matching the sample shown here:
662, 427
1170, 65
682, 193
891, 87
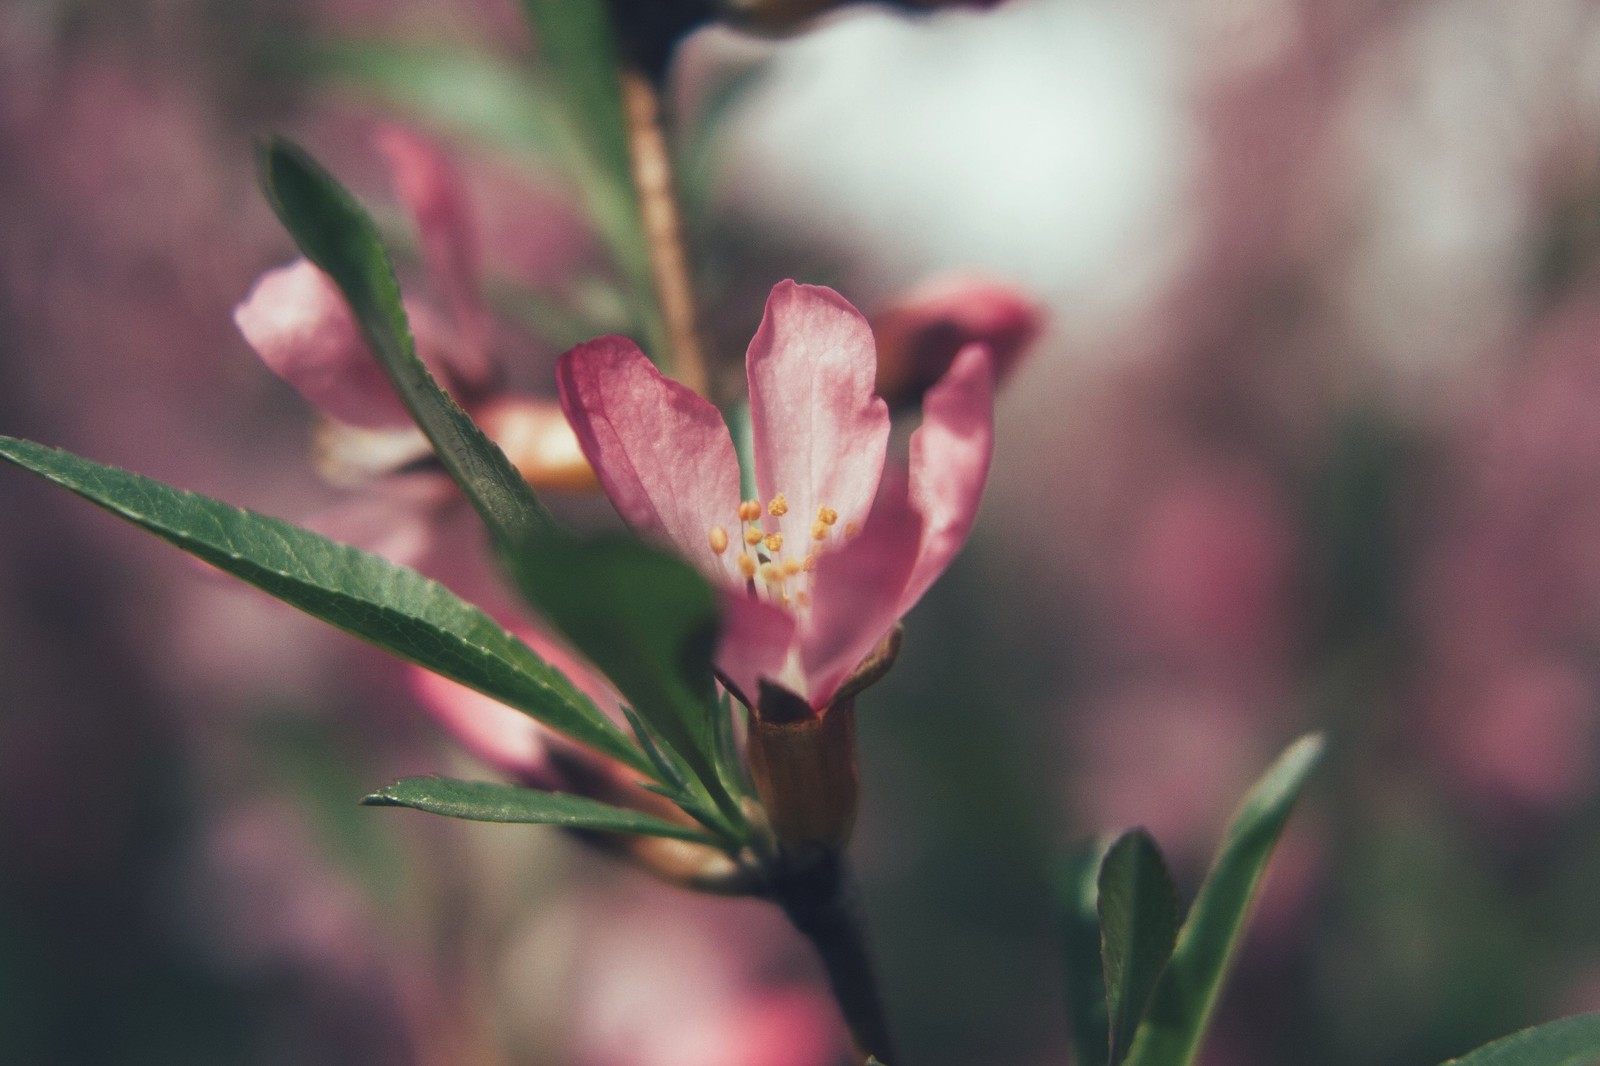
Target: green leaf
488, 801
580, 64
1571, 1041
1187, 992
1081, 955
337, 235
649, 621
390, 606
1139, 915
464, 91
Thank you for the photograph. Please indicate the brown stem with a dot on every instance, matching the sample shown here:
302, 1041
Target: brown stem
820, 900
663, 226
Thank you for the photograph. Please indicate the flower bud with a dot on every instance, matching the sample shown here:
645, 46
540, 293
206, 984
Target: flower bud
784, 16
535, 436
919, 335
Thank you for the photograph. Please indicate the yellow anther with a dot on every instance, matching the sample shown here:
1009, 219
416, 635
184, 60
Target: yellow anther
772, 573
819, 530
773, 541
851, 529
778, 507
791, 567
747, 565
752, 536
749, 510
719, 539
827, 515
803, 598
810, 563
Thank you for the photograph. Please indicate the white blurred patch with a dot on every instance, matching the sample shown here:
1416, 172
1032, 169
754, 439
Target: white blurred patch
1041, 141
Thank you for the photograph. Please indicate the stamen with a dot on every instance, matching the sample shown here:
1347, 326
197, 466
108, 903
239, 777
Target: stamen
778, 507
719, 540
827, 515
749, 510
819, 530
747, 565
791, 567
803, 598
851, 529
810, 563
772, 574
774, 542
752, 536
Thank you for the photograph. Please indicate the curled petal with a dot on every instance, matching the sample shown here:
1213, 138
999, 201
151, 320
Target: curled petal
950, 455
662, 452
300, 326
820, 432
920, 334
858, 591
432, 190
756, 641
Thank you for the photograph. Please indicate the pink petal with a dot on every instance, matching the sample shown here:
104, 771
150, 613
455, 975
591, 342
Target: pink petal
504, 738
432, 190
950, 455
857, 592
755, 643
820, 432
300, 326
920, 334
663, 454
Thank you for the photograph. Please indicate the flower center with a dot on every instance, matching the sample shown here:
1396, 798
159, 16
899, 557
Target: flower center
777, 566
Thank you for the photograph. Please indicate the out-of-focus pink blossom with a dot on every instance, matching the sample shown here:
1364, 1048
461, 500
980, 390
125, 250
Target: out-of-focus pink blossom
814, 582
751, 1002
920, 333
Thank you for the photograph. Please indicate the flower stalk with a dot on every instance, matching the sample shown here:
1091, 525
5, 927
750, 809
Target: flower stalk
819, 897
659, 213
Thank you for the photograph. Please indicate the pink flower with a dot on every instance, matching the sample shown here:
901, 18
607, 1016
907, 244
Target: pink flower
299, 324
823, 564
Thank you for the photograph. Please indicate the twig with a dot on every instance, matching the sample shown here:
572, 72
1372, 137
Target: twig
663, 227
819, 899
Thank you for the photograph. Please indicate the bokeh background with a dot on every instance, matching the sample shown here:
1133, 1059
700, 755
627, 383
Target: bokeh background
1312, 440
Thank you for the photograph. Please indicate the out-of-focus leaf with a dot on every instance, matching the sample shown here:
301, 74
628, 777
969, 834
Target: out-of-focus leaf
1184, 998
1571, 1041
649, 621
390, 606
1139, 914
580, 65
1078, 888
469, 92
337, 235
489, 801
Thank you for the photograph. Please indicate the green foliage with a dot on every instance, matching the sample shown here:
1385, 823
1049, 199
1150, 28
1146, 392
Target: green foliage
1139, 914
579, 69
337, 235
486, 801
1081, 955
1569, 1042
649, 621
488, 99
390, 606
1187, 992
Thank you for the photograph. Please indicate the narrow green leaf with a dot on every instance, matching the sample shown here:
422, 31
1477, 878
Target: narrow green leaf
390, 606
488, 801
1083, 969
1571, 1041
1139, 915
1184, 998
649, 621
337, 235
